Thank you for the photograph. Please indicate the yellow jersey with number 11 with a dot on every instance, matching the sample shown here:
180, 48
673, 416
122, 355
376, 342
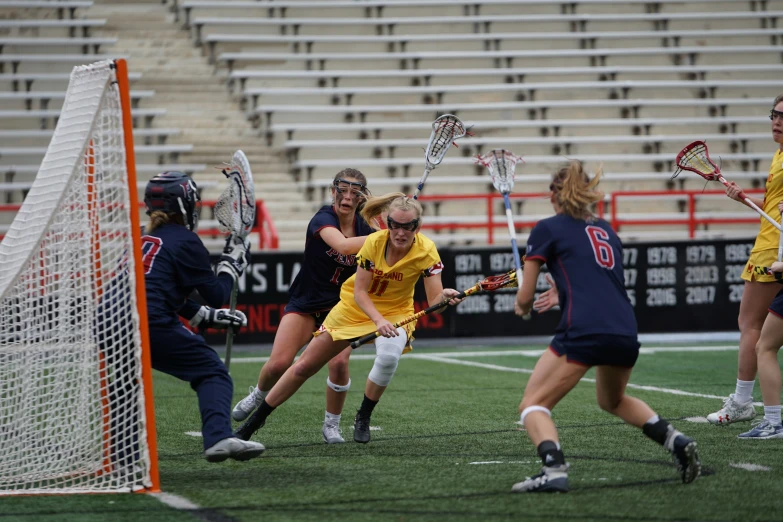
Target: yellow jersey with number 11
391, 288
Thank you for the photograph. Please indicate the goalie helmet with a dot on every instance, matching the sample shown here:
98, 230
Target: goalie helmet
174, 193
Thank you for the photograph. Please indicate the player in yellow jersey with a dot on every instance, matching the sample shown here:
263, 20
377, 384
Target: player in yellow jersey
760, 287
379, 294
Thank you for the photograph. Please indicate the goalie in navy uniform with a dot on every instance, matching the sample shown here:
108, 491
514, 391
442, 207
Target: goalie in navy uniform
175, 264
334, 236
597, 328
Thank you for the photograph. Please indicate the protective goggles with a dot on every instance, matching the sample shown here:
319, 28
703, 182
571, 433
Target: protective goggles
773, 114
410, 226
342, 186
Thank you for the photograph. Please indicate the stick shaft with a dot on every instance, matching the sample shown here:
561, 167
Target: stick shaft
230, 331
512, 232
420, 186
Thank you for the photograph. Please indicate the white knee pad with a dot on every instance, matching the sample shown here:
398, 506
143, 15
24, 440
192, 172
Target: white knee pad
338, 387
388, 351
531, 409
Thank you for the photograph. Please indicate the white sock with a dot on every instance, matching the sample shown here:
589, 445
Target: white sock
772, 414
258, 394
331, 418
652, 420
744, 391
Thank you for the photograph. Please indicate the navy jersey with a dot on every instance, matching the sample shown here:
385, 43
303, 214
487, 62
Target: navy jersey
317, 285
176, 263
585, 258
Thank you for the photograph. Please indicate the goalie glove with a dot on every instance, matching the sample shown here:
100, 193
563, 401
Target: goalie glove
220, 318
234, 259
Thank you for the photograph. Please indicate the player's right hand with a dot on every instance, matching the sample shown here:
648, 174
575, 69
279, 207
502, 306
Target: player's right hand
235, 257
734, 191
385, 328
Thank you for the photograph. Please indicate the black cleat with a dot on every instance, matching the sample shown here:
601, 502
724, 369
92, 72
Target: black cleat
687, 458
361, 428
251, 425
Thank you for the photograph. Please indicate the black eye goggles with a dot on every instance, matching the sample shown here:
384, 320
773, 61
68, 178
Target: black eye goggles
775, 114
410, 226
341, 185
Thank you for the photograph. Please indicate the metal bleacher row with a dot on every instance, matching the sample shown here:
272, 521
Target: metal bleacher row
41, 42
357, 83
623, 85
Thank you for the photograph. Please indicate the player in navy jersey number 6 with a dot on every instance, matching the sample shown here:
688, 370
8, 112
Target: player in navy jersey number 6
176, 263
335, 234
597, 328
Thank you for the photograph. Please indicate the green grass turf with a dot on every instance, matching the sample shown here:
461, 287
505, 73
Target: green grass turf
436, 420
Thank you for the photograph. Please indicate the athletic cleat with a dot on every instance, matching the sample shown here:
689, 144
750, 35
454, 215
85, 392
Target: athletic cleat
732, 411
686, 457
763, 429
246, 406
233, 448
251, 425
361, 429
332, 434
551, 479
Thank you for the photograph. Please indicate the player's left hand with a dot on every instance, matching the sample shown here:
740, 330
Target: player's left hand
450, 293
220, 318
548, 299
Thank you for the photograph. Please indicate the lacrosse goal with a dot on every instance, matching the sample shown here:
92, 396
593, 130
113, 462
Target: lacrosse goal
76, 411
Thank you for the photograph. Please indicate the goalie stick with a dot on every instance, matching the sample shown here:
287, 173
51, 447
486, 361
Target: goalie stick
235, 211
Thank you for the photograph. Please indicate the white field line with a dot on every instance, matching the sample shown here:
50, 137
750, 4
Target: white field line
749, 467
502, 353
175, 501
448, 360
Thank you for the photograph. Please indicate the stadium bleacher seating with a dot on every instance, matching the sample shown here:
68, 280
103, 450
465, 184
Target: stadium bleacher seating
349, 83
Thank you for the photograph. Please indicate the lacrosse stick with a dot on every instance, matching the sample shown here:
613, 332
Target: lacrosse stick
695, 158
501, 164
235, 211
445, 131
490, 284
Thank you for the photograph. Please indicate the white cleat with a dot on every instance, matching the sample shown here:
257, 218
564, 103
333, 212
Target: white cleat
732, 411
551, 479
247, 405
332, 434
234, 448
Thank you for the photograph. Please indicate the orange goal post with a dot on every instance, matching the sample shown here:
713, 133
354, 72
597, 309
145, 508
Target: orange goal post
76, 409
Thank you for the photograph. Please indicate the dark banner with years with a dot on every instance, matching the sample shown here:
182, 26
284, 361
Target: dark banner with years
687, 286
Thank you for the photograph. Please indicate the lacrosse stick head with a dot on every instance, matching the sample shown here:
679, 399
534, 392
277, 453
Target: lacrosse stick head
235, 209
492, 283
501, 165
695, 158
445, 130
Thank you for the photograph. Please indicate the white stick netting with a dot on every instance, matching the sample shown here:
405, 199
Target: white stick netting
235, 209
501, 165
71, 395
445, 131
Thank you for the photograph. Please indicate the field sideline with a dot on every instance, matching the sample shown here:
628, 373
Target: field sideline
447, 447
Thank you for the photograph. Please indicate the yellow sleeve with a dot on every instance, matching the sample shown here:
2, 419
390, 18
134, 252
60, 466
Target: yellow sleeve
368, 254
431, 263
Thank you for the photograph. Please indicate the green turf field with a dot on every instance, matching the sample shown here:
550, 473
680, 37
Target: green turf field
449, 448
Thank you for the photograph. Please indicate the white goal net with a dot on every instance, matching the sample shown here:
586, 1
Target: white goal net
72, 402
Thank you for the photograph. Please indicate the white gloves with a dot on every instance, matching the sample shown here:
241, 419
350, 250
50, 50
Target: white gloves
221, 318
234, 259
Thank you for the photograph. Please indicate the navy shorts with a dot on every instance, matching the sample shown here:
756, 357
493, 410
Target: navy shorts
598, 349
319, 316
777, 305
